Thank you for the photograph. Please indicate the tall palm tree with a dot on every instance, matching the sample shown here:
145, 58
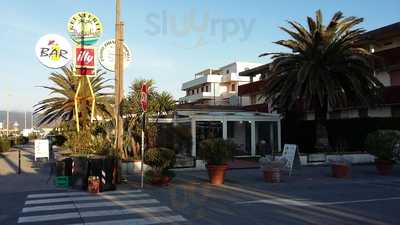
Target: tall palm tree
60, 106
325, 68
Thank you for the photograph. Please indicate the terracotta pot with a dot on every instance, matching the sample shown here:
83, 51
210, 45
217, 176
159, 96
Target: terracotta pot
340, 170
272, 175
161, 181
384, 167
216, 173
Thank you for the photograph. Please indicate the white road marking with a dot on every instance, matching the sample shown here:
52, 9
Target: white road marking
145, 221
66, 194
96, 213
85, 198
290, 202
89, 205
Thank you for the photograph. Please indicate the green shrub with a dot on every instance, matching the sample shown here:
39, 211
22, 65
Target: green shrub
5, 145
159, 159
216, 151
381, 143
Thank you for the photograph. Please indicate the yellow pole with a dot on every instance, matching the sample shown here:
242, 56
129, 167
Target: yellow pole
76, 100
92, 117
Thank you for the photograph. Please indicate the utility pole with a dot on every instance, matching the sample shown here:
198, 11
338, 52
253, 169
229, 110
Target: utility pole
119, 77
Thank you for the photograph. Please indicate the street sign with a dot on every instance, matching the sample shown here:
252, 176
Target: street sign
84, 60
85, 28
53, 51
107, 55
42, 148
143, 97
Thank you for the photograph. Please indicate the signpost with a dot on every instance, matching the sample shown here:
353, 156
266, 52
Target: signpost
107, 55
143, 104
53, 51
292, 156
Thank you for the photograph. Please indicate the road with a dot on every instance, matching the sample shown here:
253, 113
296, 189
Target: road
310, 197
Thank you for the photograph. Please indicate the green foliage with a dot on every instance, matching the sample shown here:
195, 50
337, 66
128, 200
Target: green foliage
159, 159
325, 67
381, 143
216, 151
61, 107
5, 144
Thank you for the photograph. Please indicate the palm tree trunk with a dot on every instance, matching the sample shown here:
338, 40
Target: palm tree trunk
321, 132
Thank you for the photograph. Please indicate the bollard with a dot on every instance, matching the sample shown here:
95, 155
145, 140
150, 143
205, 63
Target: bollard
19, 160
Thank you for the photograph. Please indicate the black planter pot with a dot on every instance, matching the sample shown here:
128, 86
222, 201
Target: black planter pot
80, 172
105, 169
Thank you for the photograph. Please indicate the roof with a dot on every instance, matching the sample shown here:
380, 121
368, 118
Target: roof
385, 32
256, 70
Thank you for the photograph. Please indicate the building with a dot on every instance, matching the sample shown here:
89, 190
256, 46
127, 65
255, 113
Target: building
216, 86
348, 126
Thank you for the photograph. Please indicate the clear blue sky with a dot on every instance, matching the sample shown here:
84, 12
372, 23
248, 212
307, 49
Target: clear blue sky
207, 34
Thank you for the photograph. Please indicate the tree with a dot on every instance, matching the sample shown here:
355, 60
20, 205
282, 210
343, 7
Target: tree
159, 104
325, 68
61, 107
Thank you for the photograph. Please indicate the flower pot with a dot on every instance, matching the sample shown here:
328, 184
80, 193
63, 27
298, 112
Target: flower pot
161, 181
272, 175
340, 170
384, 167
216, 173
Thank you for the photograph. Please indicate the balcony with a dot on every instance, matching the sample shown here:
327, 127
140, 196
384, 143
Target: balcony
214, 78
197, 97
251, 88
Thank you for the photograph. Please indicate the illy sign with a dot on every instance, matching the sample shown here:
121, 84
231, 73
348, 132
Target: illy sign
84, 60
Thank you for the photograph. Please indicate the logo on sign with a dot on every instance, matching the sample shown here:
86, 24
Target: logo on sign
84, 60
53, 51
85, 28
107, 55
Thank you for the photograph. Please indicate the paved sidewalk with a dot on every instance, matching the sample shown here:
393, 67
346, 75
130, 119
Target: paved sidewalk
33, 176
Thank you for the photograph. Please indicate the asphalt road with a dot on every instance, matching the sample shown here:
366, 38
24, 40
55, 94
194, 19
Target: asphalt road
311, 197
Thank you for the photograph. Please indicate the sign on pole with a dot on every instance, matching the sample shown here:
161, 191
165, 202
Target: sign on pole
106, 55
84, 60
292, 156
85, 28
143, 97
53, 51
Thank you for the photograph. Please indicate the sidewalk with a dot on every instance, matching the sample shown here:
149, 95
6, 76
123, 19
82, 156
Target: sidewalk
32, 177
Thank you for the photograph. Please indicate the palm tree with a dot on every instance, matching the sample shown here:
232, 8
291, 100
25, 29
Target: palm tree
60, 106
325, 68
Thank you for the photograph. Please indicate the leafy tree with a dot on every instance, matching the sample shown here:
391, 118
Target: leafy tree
325, 68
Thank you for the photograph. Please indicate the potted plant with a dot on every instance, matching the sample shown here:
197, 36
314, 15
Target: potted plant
216, 153
272, 168
340, 167
160, 160
382, 143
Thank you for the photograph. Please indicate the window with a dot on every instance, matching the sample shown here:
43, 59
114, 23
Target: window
233, 87
192, 92
187, 92
253, 99
227, 71
206, 88
202, 89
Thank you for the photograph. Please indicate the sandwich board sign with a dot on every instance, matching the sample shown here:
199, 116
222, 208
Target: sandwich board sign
42, 148
292, 156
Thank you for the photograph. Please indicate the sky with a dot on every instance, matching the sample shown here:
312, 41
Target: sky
170, 40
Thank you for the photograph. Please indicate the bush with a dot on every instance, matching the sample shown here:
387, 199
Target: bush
5, 145
159, 159
216, 151
381, 143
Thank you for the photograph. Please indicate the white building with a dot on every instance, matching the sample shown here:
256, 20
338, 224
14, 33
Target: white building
217, 86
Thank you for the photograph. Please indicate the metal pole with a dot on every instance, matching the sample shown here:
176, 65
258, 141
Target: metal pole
8, 121
19, 160
25, 121
142, 154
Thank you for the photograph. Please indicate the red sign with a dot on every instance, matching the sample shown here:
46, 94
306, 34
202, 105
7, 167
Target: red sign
84, 60
143, 97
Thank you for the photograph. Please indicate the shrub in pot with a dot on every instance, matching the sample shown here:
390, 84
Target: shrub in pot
160, 160
272, 168
340, 167
381, 143
216, 153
